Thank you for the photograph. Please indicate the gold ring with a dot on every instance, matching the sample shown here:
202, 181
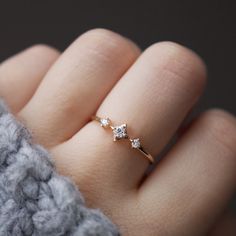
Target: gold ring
120, 132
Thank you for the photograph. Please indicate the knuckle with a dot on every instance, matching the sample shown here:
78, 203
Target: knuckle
44, 49
109, 44
222, 127
100, 33
42, 53
180, 63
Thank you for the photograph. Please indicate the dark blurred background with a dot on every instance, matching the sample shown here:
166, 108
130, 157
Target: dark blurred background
208, 27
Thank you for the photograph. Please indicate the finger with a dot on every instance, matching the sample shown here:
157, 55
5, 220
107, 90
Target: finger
195, 181
152, 98
21, 74
77, 84
226, 226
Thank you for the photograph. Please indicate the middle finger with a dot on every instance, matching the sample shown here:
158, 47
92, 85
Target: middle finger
76, 85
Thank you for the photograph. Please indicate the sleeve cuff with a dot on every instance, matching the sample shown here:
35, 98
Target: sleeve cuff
34, 198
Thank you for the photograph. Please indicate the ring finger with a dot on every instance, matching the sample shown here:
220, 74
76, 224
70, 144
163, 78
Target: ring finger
153, 98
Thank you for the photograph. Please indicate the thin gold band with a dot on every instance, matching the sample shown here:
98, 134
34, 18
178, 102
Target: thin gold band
120, 132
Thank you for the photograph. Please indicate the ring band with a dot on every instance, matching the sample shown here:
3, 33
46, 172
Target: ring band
120, 132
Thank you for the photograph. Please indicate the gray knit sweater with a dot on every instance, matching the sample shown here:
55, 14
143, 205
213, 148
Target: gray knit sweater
34, 198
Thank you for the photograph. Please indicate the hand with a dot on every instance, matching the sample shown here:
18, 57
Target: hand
101, 72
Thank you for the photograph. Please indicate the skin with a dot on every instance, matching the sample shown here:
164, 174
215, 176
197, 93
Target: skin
103, 73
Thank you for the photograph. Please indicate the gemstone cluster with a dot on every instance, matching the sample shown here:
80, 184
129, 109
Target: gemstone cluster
120, 132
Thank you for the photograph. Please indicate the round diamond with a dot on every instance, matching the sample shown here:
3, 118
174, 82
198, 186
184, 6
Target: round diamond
120, 132
105, 122
135, 143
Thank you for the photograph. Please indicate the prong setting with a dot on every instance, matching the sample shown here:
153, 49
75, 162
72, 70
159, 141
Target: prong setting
135, 143
105, 122
120, 132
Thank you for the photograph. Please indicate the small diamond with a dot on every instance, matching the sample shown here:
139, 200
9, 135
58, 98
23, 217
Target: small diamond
135, 143
120, 132
105, 122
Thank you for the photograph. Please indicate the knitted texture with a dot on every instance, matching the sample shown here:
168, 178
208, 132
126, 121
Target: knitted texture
34, 199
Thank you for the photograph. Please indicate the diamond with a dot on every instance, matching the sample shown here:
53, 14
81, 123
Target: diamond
105, 122
135, 143
120, 132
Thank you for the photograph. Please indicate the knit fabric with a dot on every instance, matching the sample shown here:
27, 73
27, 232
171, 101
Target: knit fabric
34, 199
